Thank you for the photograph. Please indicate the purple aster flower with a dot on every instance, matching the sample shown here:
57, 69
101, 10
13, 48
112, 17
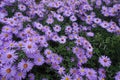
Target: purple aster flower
55, 66
48, 53
91, 74
79, 41
70, 36
55, 37
82, 60
105, 61
8, 71
25, 65
49, 20
29, 47
42, 39
117, 76
61, 70
9, 56
39, 60
101, 78
104, 24
66, 77
20, 75
67, 13
77, 77
73, 71
57, 28
75, 24
98, 3
38, 25
22, 7
75, 50
97, 20
102, 72
81, 71
31, 76
7, 29
89, 54
68, 29
73, 18
90, 34
11, 44
6, 36
62, 39
60, 18
80, 53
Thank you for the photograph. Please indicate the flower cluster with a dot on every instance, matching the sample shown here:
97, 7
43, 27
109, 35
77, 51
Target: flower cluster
29, 26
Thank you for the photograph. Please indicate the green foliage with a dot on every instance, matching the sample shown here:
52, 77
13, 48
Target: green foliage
108, 44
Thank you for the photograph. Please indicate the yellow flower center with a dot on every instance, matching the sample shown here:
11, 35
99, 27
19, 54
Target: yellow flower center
9, 56
25, 65
67, 78
8, 70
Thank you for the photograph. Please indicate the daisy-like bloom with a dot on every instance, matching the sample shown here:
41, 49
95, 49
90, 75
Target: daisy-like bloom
31, 76
20, 75
70, 36
62, 39
48, 53
30, 47
54, 65
117, 76
101, 78
8, 71
75, 49
90, 34
102, 72
25, 65
105, 61
58, 59
98, 3
20, 44
38, 25
67, 13
82, 60
60, 18
68, 29
39, 60
73, 71
66, 77
61, 70
22, 7
91, 74
7, 29
89, 54
6, 36
11, 44
57, 28
81, 71
49, 20
9, 56
73, 18
79, 41
80, 54
77, 77
75, 24
104, 24
55, 37
42, 39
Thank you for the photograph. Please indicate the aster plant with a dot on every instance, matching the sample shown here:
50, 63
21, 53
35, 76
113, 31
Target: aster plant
59, 39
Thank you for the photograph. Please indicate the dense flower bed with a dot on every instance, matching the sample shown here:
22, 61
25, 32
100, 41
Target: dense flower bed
59, 39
